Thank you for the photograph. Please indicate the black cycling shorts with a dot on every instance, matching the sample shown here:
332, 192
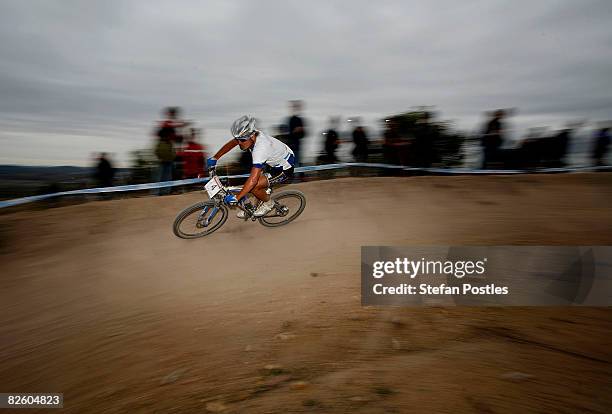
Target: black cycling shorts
278, 175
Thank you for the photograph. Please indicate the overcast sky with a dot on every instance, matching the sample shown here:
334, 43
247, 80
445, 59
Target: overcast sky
84, 76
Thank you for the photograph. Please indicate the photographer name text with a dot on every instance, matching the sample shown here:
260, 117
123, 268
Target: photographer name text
441, 289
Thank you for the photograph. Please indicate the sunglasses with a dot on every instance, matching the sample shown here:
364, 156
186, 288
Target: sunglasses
244, 137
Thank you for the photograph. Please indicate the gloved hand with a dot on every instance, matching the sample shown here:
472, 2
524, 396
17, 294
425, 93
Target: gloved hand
211, 163
230, 199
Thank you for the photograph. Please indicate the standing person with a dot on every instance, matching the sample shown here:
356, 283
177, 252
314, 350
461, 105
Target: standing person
193, 155
560, 145
331, 141
105, 173
297, 130
172, 119
492, 138
164, 151
424, 142
360, 139
600, 149
394, 147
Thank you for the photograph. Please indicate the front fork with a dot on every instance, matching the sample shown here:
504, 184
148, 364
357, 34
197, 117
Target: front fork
205, 221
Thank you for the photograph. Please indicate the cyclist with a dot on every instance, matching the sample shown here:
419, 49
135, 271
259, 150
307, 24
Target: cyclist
267, 152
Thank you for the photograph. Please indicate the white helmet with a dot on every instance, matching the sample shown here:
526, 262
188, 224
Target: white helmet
243, 127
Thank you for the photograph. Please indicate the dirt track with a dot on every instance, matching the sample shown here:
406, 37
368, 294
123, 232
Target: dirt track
101, 302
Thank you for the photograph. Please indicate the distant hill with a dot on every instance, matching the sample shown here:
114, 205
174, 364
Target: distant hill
24, 180
30, 172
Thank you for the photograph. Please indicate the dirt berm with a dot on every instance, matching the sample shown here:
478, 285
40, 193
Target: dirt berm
102, 302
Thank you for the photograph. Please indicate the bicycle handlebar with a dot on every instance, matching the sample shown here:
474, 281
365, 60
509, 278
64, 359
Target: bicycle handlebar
225, 190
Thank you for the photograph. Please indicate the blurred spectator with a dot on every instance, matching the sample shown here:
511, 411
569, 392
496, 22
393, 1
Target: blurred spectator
560, 144
282, 133
172, 120
600, 149
492, 139
164, 151
331, 141
394, 149
297, 130
105, 173
360, 139
193, 156
424, 136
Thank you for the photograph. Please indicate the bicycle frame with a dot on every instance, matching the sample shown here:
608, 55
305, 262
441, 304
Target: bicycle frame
218, 199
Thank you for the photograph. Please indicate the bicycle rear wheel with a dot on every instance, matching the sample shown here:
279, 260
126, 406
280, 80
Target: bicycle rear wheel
199, 220
288, 206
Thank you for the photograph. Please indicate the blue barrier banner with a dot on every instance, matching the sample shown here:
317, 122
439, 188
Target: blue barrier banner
164, 184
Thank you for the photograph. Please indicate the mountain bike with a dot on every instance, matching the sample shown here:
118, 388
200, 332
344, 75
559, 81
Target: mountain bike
206, 217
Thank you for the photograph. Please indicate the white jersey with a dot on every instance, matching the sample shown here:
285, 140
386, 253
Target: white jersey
269, 150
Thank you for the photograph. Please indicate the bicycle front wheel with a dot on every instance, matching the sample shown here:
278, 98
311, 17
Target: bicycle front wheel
288, 205
200, 220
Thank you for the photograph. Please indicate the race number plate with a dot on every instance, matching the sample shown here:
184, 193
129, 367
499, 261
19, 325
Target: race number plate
213, 186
